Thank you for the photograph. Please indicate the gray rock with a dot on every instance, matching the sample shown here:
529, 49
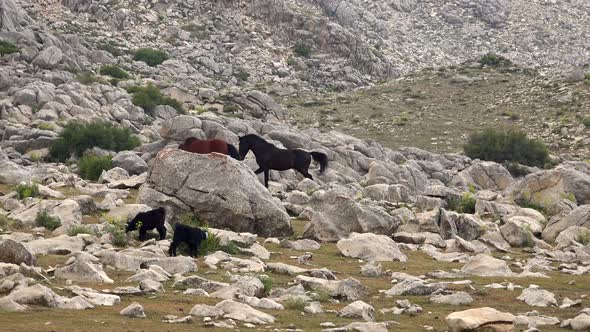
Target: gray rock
202, 310
15, 253
537, 297
371, 247
578, 217
207, 182
458, 298
131, 162
302, 245
134, 310
358, 309
372, 269
83, 271
486, 266
243, 312
414, 288
48, 58
36, 295
472, 319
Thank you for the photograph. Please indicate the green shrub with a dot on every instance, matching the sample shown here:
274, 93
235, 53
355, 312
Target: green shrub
43, 219
241, 74
116, 228
77, 138
295, 303
88, 78
114, 72
267, 282
494, 60
209, 245
8, 48
500, 146
90, 166
534, 206
230, 108
46, 126
586, 121
191, 219
321, 295
115, 51
465, 204
584, 237
25, 190
150, 56
516, 169
199, 32
80, 229
149, 96
302, 49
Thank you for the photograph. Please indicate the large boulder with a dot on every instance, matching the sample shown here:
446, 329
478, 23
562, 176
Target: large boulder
243, 312
59, 244
67, 211
82, 270
37, 295
49, 57
15, 253
335, 216
486, 266
485, 175
578, 217
371, 247
472, 319
548, 188
11, 173
130, 162
221, 190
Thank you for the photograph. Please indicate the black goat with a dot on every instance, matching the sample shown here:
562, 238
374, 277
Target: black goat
147, 221
190, 235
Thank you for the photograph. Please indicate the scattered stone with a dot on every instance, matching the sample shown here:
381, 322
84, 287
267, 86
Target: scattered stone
134, 310
473, 319
458, 298
537, 297
358, 309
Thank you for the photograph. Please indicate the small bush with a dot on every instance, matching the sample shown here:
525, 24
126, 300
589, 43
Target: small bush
465, 204
43, 219
90, 166
8, 48
209, 245
150, 56
267, 282
116, 228
516, 169
46, 126
88, 78
321, 295
586, 121
193, 220
114, 72
148, 97
199, 32
77, 138
295, 303
79, 229
302, 49
584, 237
25, 190
501, 146
241, 74
230, 108
494, 60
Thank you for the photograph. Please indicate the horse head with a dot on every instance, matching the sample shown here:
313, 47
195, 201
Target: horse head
244, 147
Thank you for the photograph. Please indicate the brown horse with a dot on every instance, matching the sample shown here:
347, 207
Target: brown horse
195, 145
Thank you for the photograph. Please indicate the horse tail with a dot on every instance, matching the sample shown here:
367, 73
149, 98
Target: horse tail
233, 152
321, 158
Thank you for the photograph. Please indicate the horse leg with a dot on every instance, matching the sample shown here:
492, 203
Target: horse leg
305, 173
266, 173
258, 171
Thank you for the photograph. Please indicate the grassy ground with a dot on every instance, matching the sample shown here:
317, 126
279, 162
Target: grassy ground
172, 302
430, 111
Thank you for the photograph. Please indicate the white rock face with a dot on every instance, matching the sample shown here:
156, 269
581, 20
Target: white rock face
473, 318
243, 312
83, 271
134, 310
486, 266
358, 309
371, 247
537, 297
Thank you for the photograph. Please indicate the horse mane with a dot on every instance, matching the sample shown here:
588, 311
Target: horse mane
254, 138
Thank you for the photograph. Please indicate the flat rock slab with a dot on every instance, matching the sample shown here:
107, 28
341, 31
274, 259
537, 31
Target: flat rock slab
472, 319
371, 247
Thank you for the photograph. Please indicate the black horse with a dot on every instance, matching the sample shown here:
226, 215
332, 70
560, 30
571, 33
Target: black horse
270, 157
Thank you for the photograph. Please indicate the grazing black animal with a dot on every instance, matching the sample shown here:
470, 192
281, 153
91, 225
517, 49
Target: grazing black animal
148, 220
190, 235
270, 157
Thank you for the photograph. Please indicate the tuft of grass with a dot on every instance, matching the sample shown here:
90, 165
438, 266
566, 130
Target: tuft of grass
114, 71
210, 245
301, 49
149, 96
152, 57
115, 51
199, 32
321, 295
294, 303
193, 220
267, 282
465, 204
230, 108
43, 219
8, 47
494, 60
25, 190
46, 126
90, 166
79, 229
501, 146
241, 74
586, 121
77, 138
